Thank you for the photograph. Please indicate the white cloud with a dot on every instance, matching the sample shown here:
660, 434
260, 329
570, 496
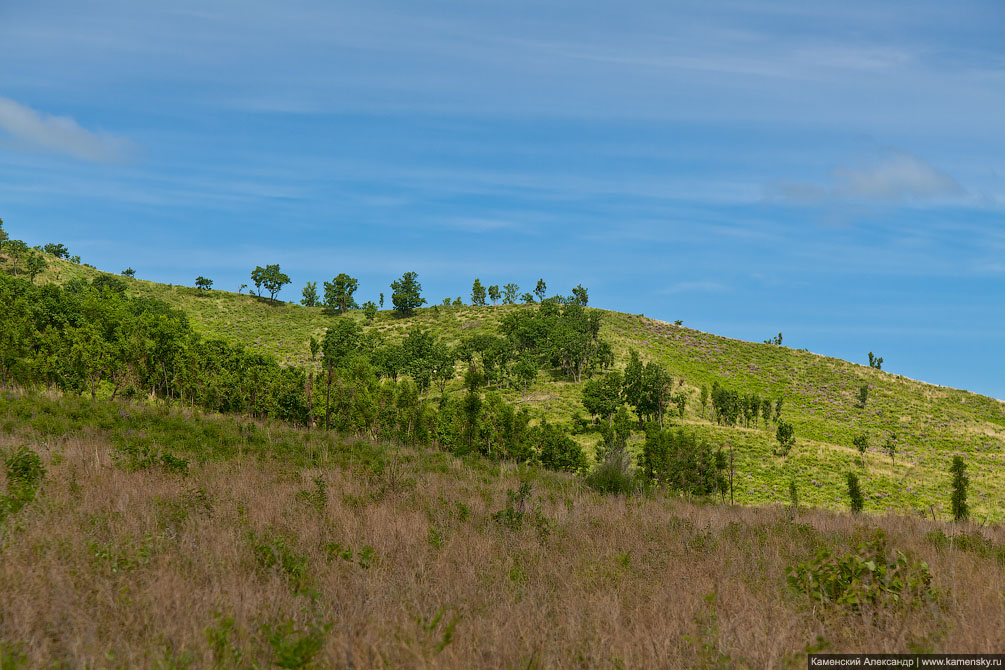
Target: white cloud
896, 176
61, 134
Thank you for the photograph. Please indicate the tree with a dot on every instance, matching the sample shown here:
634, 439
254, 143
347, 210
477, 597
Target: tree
854, 492
494, 294
3, 233
271, 278
525, 371
57, 250
680, 399
703, 398
510, 293
581, 295
776, 340
541, 289
129, 272
602, 396
875, 362
241, 288
340, 344
890, 447
34, 265
961, 511
203, 283
861, 443
863, 395
338, 293
406, 294
370, 310
478, 293
16, 250
528, 298
786, 436
382, 301
310, 294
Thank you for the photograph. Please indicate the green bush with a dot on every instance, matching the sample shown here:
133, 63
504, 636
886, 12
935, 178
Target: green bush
24, 475
613, 475
867, 577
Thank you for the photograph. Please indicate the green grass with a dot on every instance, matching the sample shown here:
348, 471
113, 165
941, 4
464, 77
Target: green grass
932, 423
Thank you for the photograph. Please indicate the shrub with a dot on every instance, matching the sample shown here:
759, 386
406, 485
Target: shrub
520, 509
292, 647
613, 475
867, 577
961, 511
275, 552
683, 462
854, 492
786, 436
24, 475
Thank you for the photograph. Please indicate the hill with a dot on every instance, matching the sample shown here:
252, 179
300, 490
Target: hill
135, 535
820, 398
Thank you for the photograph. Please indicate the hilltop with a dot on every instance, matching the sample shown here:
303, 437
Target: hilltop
930, 423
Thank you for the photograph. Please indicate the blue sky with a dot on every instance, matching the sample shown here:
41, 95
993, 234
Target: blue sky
831, 170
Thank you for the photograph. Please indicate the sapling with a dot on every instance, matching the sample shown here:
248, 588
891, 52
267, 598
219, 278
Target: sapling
961, 511
854, 492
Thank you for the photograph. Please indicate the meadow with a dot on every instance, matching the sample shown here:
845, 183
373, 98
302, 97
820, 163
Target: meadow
174, 539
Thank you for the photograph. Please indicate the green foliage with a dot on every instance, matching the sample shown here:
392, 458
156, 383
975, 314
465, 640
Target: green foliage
129, 272
24, 476
557, 450
370, 311
961, 511
861, 443
478, 294
57, 250
540, 290
226, 653
494, 294
310, 294
203, 283
339, 292
683, 462
271, 278
890, 447
510, 293
614, 474
866, 578
785, 434
602, 396
520, 509
11, 656
855, 499
863, 395
875, 362
406, 294
293, 647
276, 552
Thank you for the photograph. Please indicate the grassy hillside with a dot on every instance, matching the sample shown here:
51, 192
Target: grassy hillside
166, 539
931, 423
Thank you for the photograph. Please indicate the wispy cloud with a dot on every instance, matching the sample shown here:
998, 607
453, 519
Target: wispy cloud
894, 177
61, 134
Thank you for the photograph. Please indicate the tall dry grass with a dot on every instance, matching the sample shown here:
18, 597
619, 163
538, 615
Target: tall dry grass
111, 568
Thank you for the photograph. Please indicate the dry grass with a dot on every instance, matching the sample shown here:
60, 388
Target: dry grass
117, 568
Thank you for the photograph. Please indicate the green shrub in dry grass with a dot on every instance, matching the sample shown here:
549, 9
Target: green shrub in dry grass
24, 475
867, 577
